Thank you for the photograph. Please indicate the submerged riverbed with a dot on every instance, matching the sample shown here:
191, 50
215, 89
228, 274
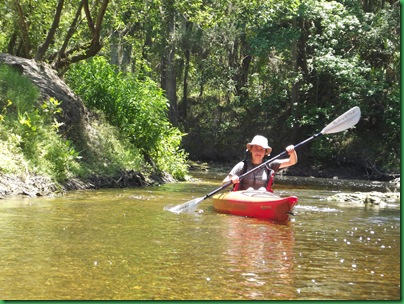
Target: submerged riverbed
119, 244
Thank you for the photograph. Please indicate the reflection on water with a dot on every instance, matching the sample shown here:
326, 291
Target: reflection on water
257, 253
121, 244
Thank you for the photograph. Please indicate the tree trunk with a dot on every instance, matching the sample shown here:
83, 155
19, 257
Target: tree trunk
168, 79
115, 48
24, 30
184, 107
243, 67
121, 51
171, 87
242, 77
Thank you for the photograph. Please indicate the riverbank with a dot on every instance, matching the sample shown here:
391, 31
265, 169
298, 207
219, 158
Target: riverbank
48, 134
348, 179
29, 185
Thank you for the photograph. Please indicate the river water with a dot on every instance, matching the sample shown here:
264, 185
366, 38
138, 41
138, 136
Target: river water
119, 244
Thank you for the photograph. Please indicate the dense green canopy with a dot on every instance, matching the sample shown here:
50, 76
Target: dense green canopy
233, 69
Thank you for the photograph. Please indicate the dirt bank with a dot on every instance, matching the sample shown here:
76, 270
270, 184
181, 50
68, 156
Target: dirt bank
28, 185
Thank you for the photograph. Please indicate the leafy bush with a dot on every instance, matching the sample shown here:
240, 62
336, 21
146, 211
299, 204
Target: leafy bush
31, 142
107, 151
136, 106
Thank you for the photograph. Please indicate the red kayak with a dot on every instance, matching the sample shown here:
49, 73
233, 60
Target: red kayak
255, 203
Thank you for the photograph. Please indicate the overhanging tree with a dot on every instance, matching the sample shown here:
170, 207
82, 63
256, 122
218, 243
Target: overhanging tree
54, 31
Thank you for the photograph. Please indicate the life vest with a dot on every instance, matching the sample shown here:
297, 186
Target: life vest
270, 174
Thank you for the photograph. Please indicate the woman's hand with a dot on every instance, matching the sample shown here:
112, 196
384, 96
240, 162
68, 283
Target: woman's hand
290, 149
292, 157
235, 179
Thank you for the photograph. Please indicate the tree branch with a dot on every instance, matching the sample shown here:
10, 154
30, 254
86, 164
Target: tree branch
51, 34
85, 50
62, 52
88, 16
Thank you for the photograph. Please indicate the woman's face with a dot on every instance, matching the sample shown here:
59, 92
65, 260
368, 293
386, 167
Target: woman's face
257, 153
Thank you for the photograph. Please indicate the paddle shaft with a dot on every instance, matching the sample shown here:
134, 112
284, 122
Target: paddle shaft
261, 165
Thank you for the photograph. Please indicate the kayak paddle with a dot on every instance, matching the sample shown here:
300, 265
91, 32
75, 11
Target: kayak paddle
342, 123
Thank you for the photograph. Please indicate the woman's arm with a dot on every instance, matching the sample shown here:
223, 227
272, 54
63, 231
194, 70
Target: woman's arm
234, 173
287, 162
233, 178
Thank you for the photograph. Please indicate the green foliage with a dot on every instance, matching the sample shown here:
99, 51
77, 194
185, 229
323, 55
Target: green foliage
108, 152
32, 144
283, 68
334, 54
137, 107
17, 93
346, 73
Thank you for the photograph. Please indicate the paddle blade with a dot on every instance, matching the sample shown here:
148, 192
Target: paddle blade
187, 207
343, 122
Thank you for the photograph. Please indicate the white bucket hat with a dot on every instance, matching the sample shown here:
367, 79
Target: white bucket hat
260, 140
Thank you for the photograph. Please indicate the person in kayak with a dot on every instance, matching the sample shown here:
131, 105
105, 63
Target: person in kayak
261, 179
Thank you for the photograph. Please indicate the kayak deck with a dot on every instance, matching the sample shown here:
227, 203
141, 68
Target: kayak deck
255, 203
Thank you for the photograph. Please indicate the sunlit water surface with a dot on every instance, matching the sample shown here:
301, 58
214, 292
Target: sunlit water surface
121, 244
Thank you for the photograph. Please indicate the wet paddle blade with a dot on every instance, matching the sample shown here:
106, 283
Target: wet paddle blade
343, 122
187, 207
